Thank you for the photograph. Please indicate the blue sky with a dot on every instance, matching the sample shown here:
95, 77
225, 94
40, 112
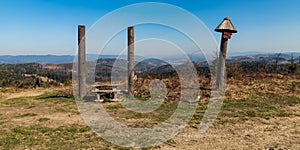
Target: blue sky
50, 26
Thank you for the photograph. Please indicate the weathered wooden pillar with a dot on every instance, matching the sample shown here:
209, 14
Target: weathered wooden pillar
82, 72
222, 63
226, 28
130, 59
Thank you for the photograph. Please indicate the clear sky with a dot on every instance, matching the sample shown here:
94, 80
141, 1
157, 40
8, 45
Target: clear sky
50, 26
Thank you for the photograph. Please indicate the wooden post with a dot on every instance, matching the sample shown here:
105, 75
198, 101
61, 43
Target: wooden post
81, 62
222, 63
226, 28
130, 59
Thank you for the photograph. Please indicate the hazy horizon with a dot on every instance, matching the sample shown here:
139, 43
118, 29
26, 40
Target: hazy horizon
113, 54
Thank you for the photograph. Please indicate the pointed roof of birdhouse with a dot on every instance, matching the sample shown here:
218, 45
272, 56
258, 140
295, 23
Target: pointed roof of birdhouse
226, 26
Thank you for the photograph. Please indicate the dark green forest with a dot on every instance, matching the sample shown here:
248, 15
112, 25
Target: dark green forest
25, 75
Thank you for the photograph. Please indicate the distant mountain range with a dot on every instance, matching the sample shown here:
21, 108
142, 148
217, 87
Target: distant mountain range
269, 58
232, 57
42, 59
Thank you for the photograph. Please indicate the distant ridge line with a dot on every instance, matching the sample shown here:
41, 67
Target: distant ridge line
63, 59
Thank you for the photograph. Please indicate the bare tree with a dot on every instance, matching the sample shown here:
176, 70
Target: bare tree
276, 62
292, 66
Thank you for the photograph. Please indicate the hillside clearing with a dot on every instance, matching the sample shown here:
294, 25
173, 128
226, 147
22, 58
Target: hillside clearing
263, 114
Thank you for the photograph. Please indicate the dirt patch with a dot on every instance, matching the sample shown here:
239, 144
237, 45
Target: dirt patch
28, 93
256, 133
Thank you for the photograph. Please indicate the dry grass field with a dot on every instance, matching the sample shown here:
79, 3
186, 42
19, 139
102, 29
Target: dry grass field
259, 112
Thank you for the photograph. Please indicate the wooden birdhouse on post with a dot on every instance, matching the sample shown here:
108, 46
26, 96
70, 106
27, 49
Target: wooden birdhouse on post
226, 28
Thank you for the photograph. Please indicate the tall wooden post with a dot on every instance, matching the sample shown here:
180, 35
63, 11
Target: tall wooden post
81, 62
130, 58
222, 61
226, 28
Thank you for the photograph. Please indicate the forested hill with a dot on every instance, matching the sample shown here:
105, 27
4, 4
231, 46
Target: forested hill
269, 58
24, 75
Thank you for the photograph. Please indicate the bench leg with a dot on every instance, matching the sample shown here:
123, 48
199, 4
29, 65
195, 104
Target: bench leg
98, 97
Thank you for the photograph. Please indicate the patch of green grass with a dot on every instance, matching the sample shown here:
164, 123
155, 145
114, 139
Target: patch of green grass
65, 109
9, 141
296, 84
263, 105
114, 107
31, 106
197, 117
22, 130
141, 98
171, 141
61, 109
23, 101
31, 102
43, 119
106, 100
277, 99
40, 137
27, 115
65, 100
161, 114
2, 122
84, 129
55, 97
247, 108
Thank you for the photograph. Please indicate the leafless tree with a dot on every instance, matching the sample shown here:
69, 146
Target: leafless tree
276, 62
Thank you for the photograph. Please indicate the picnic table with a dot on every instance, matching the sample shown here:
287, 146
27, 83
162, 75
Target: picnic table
106, 90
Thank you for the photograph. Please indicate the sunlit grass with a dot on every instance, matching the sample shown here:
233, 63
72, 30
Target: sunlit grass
77, 136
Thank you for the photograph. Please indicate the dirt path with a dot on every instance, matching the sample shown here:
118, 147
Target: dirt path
255, 133
27, 93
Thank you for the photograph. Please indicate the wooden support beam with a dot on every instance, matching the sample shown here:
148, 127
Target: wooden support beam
82, 72
130, 59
